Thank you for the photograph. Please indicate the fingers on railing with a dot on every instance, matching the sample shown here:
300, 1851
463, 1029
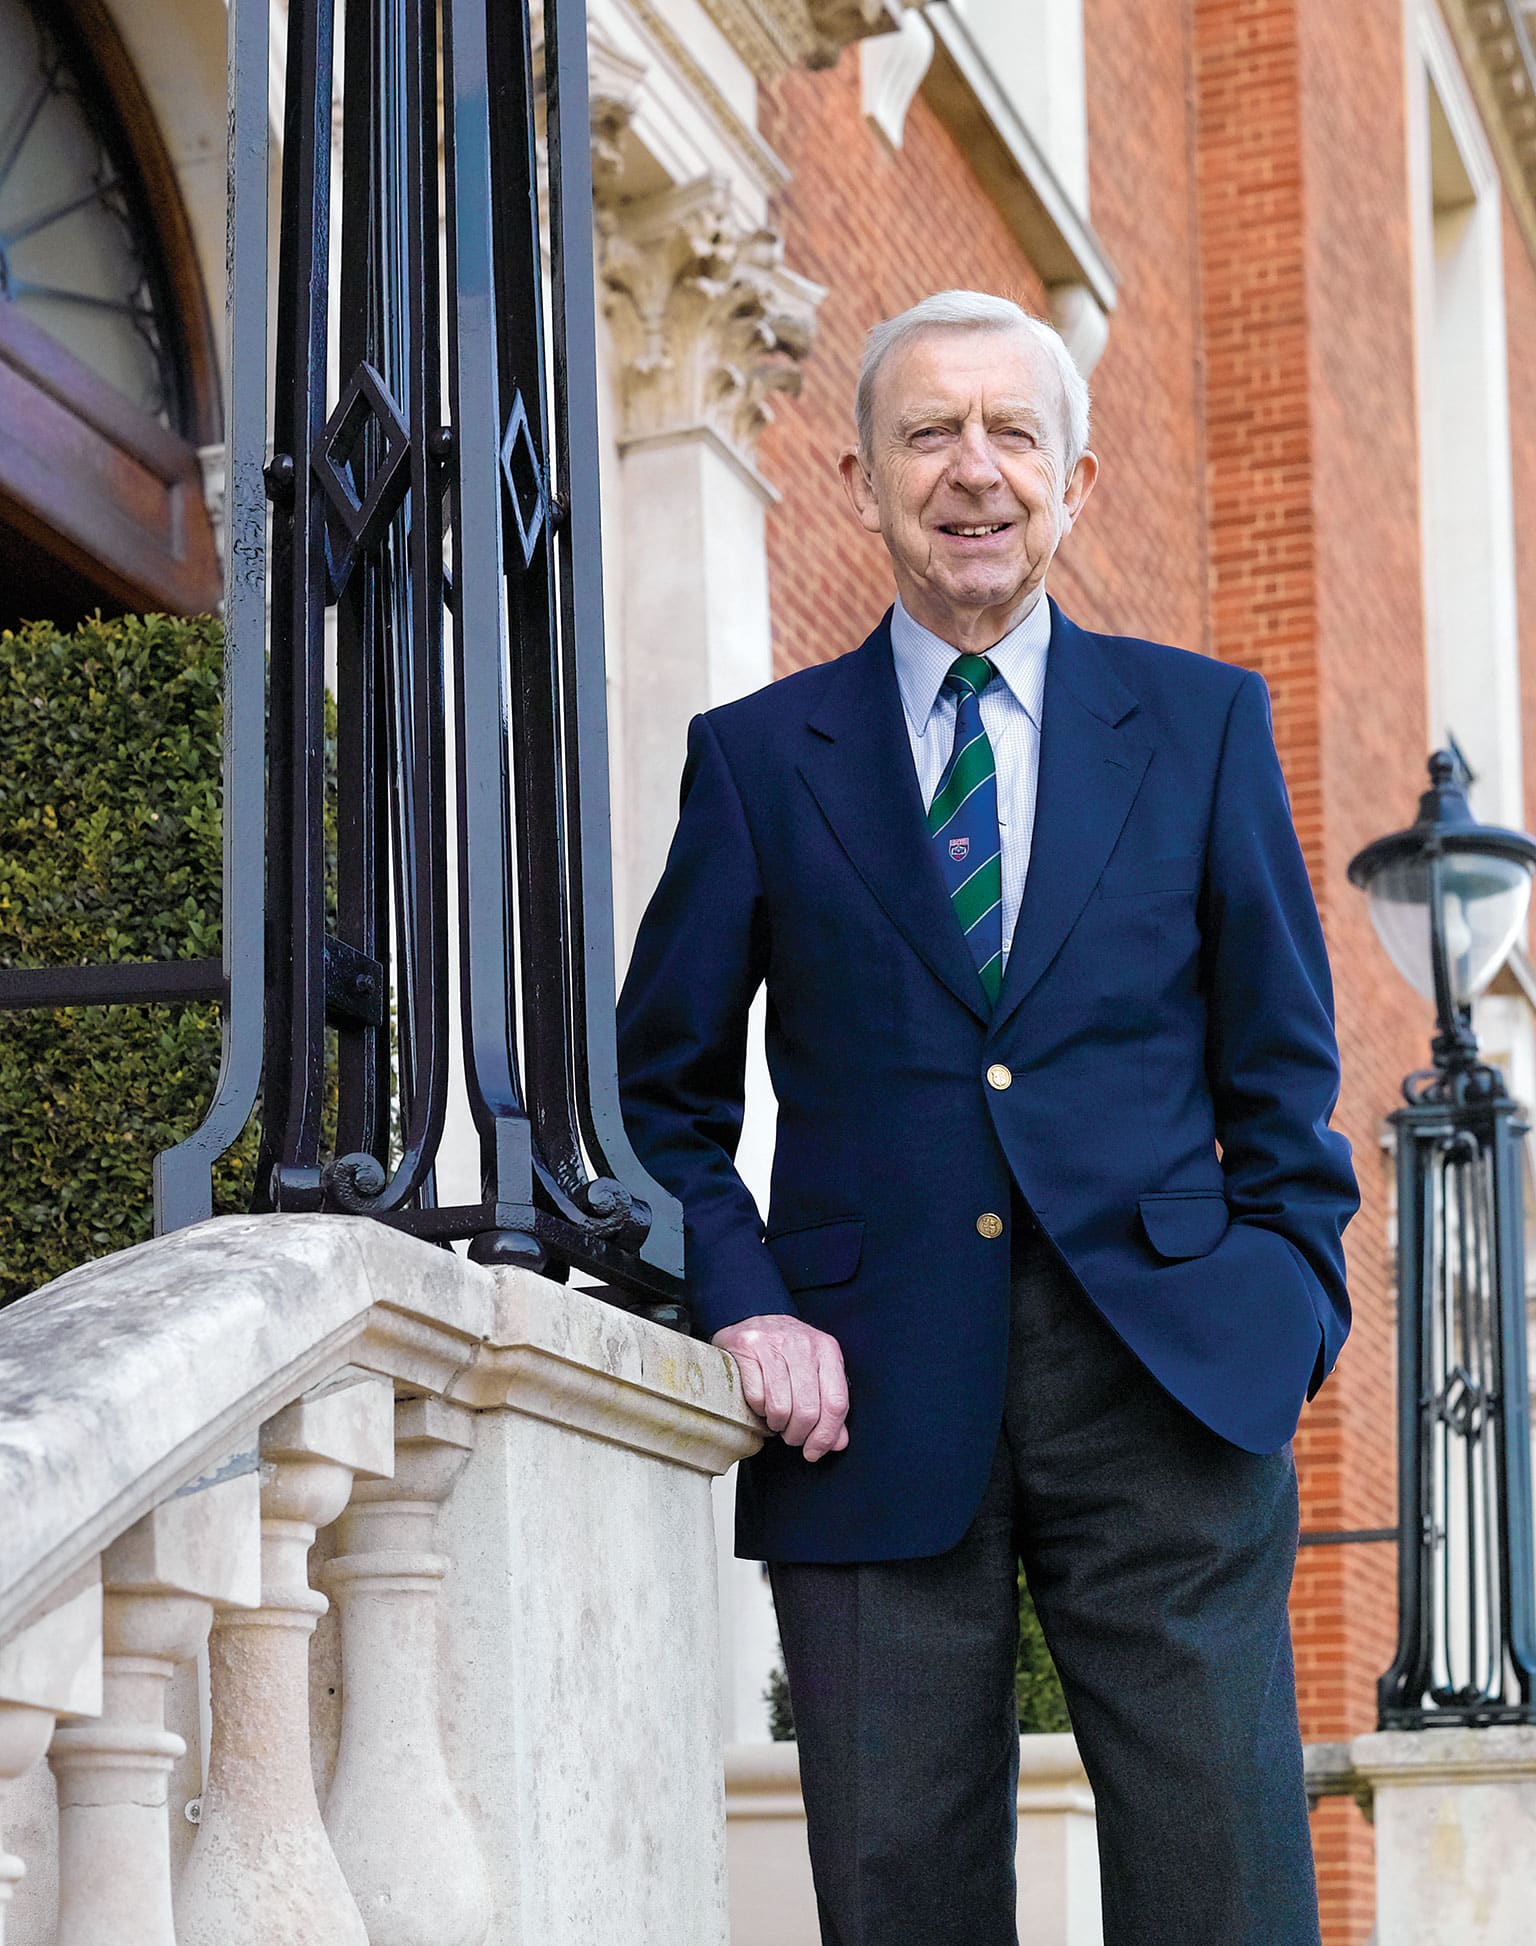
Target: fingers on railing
225, 1563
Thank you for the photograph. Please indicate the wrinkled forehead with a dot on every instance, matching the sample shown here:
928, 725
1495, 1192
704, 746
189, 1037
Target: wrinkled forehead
958, 369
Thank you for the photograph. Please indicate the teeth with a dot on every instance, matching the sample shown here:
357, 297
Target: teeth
971, 531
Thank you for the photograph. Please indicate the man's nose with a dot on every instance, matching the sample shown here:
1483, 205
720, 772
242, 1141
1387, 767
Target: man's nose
975, 463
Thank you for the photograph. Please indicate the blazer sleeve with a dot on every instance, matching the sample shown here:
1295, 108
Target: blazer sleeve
1271, 1053
699, 957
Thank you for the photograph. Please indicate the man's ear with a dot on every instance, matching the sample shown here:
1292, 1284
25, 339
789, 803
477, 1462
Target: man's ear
1079, 487
860, 488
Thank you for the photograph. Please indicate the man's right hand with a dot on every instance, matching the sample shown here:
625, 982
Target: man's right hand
792, 1376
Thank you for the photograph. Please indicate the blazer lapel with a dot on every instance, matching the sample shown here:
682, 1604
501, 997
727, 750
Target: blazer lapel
861, 773
1090, 772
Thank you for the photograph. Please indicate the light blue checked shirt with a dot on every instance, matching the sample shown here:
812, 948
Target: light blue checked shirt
1011, 706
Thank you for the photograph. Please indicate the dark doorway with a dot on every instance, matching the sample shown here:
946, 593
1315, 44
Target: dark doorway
38, 586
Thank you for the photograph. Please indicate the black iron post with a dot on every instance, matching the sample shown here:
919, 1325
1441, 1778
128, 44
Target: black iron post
1466, 1651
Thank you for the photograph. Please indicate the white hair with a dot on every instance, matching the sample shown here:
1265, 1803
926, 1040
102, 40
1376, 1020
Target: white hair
979, 310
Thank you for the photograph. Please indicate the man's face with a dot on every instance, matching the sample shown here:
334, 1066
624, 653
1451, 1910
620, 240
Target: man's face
966, 481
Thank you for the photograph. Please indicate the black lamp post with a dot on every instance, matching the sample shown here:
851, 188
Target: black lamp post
1448, 898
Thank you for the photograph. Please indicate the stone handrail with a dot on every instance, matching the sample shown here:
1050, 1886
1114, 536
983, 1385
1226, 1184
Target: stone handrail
176, 1425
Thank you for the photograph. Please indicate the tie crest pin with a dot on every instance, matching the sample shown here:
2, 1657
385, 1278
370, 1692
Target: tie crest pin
958, 847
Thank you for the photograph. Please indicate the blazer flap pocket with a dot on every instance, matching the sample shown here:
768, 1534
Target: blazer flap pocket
1184, 1223
1123, 877
821, 1253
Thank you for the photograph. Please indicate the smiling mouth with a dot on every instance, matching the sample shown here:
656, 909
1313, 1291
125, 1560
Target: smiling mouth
974, 531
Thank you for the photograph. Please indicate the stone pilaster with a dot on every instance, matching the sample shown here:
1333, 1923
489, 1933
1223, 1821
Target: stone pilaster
707, 325
581, 1647
1454, 1812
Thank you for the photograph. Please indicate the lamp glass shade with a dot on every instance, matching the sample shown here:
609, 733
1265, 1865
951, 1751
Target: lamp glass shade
1486, 898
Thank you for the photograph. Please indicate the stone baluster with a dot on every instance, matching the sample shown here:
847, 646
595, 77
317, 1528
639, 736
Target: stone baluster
262, 1872
24, 1734
161, 1580
400, 1834
50, 1669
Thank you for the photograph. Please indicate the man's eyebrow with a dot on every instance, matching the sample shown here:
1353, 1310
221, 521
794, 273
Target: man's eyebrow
922, 415
1011, 409
949, 414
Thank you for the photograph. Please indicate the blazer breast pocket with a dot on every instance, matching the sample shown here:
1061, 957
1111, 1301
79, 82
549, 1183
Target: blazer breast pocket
821, 1253
1127, 878
1139, 927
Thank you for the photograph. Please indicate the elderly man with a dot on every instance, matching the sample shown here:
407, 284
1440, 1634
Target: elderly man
1053, 1254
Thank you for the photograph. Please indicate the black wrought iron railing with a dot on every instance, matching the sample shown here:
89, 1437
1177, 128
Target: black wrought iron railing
429, 477
1467, 1580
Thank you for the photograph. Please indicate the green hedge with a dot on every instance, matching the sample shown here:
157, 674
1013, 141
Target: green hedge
1042, 1706
1037, 1687
110, 849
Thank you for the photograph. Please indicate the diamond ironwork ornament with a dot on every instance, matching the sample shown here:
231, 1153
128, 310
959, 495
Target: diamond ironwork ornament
361, 464
526, 484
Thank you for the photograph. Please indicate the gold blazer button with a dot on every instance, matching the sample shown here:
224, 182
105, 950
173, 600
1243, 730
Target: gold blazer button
989, 1223
998, 1076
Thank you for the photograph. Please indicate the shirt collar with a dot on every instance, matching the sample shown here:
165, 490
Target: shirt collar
924, 659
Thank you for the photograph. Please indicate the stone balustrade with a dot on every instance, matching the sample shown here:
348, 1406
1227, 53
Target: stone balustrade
510, 1484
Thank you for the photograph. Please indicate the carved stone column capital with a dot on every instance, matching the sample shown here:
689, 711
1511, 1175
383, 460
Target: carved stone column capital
707, 321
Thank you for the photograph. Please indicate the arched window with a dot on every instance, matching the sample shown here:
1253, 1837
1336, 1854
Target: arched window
106, 376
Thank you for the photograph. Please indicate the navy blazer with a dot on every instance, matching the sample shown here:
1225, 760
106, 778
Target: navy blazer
1166, 1015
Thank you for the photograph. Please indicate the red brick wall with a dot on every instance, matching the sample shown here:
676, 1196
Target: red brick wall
1138, 562
1253, 312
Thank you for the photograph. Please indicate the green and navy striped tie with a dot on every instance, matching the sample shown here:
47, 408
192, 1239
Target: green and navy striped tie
962, 820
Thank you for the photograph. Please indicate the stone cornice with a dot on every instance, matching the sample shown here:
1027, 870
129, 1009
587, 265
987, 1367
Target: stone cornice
759, 161
772, 35
1498, 50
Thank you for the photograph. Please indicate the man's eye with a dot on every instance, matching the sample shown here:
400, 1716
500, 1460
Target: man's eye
1016, 432
925, 435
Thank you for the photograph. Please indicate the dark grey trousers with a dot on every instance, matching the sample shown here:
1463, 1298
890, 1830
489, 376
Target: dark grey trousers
1160, 1560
